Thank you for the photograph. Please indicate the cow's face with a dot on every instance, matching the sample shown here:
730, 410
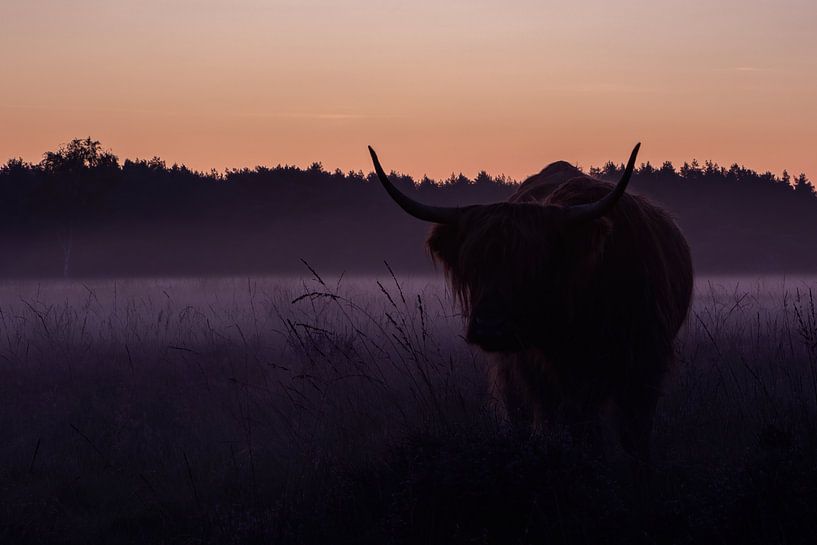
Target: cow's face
515, 268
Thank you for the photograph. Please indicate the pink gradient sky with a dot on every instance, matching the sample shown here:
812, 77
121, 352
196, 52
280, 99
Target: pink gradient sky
435, 87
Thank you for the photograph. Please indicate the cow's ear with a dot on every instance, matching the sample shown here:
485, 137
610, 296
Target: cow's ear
443, 243
588, 240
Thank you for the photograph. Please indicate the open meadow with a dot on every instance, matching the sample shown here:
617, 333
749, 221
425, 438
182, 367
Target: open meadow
350, 410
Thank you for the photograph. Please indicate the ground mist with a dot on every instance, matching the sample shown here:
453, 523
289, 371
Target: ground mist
350, 410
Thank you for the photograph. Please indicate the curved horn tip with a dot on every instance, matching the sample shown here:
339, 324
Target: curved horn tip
634, 153
378, 169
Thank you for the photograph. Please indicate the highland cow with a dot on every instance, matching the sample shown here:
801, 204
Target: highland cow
577, 288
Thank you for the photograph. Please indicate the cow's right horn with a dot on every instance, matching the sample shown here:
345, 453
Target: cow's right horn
594, 210
434, 214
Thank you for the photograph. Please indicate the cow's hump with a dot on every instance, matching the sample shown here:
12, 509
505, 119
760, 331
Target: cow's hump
540, 185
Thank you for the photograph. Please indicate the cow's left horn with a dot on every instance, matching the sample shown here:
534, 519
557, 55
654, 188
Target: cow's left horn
434, 214
594, 210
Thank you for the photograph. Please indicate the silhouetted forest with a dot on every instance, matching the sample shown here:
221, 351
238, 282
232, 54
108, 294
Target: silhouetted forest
83, 212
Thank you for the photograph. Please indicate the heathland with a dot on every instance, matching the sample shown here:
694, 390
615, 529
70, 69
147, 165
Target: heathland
350, 410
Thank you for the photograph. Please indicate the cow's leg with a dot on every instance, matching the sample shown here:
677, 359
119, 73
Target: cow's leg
548, 401
511, 386
636, 404
581, 421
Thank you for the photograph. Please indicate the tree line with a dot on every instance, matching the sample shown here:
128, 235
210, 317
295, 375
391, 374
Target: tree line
81, 211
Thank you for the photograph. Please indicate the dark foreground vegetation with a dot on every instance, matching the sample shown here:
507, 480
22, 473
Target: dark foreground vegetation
255, 411
83, 212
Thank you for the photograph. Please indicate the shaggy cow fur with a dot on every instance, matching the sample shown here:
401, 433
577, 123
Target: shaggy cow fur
594, 308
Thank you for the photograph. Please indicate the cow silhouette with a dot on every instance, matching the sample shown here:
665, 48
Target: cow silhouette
576, 288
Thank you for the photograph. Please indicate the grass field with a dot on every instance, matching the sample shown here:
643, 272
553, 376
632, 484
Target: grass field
321, 410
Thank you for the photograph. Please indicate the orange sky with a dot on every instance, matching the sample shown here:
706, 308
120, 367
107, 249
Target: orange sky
502, 86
